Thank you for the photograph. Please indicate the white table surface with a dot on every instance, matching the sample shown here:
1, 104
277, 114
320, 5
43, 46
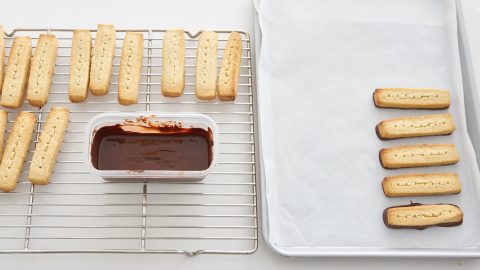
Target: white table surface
192, 15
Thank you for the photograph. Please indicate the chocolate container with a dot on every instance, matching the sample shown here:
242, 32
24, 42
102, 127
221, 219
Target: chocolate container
149, 145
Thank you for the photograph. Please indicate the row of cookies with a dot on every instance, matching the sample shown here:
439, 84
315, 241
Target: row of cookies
16, 149
97, 79
416, 215
91, 67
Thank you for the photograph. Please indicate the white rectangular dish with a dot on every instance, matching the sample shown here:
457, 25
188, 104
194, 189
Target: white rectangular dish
199, 121
320, 174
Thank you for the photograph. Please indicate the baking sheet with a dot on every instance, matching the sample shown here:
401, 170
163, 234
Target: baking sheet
320, 152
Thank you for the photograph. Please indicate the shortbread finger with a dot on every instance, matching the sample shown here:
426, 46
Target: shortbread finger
16, 74
419, 216
411, 98
130, 68
48, 146
418, 156
16, 150
417, 126
41, 70
206, 71
3, 127
80, 65
173, 65
102, 60
2, 56
421, 184
230, 68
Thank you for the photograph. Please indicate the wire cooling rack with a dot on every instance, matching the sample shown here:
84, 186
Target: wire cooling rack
81, 213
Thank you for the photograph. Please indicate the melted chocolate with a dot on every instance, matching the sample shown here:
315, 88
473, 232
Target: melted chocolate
138, 148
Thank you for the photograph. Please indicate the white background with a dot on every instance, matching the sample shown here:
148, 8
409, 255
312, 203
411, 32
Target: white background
192, 15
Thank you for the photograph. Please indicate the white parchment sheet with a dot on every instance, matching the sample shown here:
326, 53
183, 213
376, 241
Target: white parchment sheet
320, 62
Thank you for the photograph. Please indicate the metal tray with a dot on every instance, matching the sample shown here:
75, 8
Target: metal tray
80, 213
472, 103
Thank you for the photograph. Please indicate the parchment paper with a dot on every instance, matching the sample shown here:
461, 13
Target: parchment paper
320, 62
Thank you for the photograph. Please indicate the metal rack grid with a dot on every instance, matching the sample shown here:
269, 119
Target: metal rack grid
81, 213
